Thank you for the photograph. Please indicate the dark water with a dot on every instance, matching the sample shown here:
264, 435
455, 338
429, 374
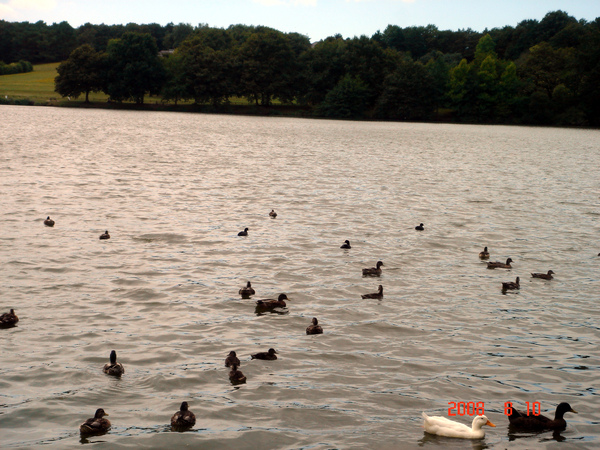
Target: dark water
174, 190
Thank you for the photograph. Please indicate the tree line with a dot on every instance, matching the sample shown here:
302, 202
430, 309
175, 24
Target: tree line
545, 72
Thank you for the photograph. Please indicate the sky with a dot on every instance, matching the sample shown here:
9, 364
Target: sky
316, 19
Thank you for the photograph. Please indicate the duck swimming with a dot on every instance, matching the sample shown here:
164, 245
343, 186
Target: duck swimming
273, 214
8, 319
243, 233
377, 295
96, 424
373, 271
315, 328
268, 356
484, 254
105, 235
271, 304
420, 227
247, 291
232, 359
545, 276
522, 421
183, 418
511, 285
236, 376
346, 244
445, 427
499, 265
49, 222
114, 368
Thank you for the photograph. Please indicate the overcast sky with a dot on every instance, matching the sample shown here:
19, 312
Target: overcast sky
315, 18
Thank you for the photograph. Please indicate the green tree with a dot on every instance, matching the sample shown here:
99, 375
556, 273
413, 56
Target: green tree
134, 68
324, 67
548, 67
367, 60
81, 73
439, 70
463, 90
177, 34
408, 93
207, 74
508, 91
174, 87
347, 100
487, 89
485, 48
268, 67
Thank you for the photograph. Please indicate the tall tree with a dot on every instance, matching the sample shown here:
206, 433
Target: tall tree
134, 68
269, 67
324, 67
207, 73
549, 67
81, 73
347, 100
408, 93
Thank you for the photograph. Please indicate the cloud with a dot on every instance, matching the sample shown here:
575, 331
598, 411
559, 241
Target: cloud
287, 2
11, 8
358, 1
36, 5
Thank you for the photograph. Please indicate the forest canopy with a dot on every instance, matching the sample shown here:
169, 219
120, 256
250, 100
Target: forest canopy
537, 72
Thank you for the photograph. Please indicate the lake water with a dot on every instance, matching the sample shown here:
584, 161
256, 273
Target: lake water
174, 190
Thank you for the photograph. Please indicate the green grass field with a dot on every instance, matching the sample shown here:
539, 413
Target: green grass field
37, 86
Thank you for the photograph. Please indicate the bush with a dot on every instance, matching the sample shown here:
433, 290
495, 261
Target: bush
18, 67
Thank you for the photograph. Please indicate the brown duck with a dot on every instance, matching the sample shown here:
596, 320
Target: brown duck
114, 368
522, 421
247, 291
511, 285
268, 356
8, 319
544, 276
377, 295
95, 425
315, 328
373, 271
236, 376
500, 265
183, 418
232, 359
484, 254
267, 304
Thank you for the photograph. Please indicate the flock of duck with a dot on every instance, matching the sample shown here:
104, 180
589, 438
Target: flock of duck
441, 426
518, 420
511, 285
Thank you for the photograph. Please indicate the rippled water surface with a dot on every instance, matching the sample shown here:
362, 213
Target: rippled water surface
175, 189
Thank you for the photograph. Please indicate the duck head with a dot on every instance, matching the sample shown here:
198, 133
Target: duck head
100, 414
480, 421
563, 408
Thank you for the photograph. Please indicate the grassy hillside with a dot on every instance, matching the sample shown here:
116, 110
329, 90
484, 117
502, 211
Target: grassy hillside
37, 86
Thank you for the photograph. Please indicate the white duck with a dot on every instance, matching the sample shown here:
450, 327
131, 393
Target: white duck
445, 427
